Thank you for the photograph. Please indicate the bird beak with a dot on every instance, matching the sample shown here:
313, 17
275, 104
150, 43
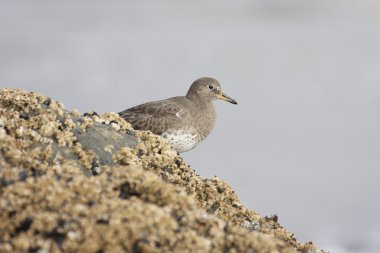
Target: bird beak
224, 97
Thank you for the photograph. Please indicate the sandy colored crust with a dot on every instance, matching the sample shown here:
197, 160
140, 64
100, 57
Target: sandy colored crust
71, 183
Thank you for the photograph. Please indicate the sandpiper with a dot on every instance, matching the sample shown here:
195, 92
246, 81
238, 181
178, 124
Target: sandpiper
184, 121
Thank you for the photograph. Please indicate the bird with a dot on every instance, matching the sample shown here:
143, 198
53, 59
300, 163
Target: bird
184, 121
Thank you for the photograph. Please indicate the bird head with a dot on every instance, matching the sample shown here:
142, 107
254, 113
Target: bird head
208, 88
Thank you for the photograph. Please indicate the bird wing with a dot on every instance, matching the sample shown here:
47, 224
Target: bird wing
156, 116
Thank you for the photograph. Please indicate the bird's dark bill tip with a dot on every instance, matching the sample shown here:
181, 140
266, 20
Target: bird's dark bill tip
227, 98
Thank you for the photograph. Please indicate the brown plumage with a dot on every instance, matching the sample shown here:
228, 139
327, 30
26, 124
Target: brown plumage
184, 121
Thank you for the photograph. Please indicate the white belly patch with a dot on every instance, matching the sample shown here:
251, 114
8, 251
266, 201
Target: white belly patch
181, 141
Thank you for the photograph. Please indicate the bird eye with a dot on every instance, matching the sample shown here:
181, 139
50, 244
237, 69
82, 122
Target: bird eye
211, 86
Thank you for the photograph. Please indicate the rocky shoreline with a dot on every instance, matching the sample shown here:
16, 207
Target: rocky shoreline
90, 183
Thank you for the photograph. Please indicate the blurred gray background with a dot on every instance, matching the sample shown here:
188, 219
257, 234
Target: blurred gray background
304, 141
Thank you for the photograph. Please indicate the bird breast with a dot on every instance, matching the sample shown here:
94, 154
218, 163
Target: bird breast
205, 121
182, 140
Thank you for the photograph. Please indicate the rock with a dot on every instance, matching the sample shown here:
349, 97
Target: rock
91, 183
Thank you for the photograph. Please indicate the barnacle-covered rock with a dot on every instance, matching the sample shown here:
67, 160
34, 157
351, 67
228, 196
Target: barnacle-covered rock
71, 183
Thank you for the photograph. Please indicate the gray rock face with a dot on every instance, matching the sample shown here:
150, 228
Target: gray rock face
99, 136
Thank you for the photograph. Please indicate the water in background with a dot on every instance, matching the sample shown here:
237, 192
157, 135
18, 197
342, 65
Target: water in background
304, 141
